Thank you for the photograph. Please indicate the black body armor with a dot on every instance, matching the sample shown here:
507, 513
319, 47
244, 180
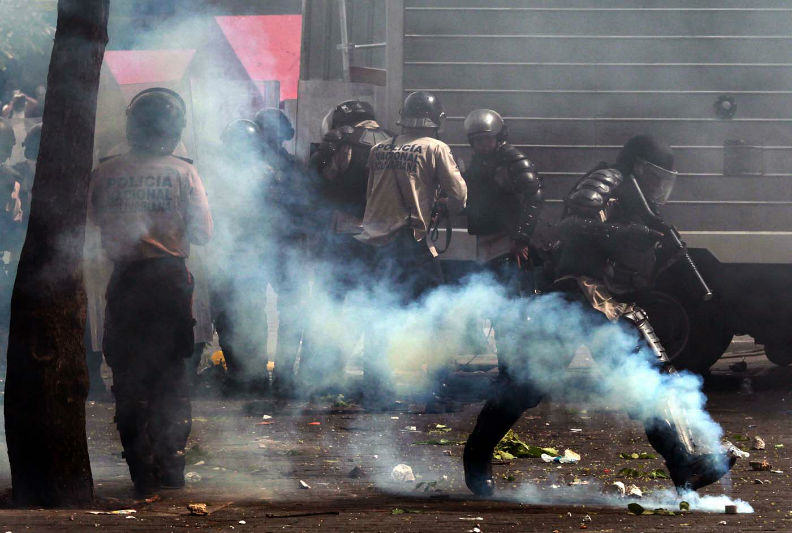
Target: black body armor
601, 239
504, 194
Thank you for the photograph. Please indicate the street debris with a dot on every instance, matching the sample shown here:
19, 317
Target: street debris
569, 457
760, 466
299, 515
398, 510
314, 423
197, 509
642, 456
634, 473
120, 512
758, 443
440, 428
733, 451
587, 518
637, 509
616, 488
576, 430
472, 519
403, 473
410, 428
192, 477
684, 506
304, 485
512, 444
266, 417
634, 492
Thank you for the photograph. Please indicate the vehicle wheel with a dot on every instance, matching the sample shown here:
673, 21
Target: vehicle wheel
779, 354
710, 336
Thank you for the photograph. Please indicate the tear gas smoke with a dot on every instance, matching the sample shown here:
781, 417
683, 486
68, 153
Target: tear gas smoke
543, 333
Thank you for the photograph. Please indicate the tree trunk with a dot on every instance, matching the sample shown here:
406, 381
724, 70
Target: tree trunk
47, 380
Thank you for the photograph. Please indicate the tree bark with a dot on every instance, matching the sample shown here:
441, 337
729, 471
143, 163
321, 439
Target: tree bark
47, 380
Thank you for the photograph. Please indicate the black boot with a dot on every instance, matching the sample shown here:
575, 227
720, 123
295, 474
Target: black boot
494, 421
689, 471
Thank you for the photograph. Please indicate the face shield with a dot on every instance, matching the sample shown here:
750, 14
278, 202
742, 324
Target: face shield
656, 182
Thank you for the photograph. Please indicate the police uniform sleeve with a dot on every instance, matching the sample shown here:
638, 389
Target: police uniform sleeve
199, 217
450, 179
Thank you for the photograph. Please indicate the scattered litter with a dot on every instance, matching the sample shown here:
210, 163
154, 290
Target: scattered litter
512, 444
637, 509
576, 430
616, 488
394, 418
733, 451
758, 443
356, 473
304, 485
192, 477
778, 446
760, 466
628, 455
722, 523
777, 471
242, 522
200, 463
403, 473
502, 456
577, 481
634, 492
472, 519
314, 423
730, 509
587, 518
266, 417
569, 457
634, 473
153, 499
476, 529
758, 482
448, 453
684, 506
122, 512
197, 509
410, 428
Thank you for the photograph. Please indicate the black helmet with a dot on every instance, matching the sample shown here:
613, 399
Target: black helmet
242, 136
422, 110
155, 120
274, 125
7, 139
652, 163
485, 122
350, 112
32, 142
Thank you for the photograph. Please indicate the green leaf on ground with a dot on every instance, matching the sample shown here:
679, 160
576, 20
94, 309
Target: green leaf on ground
511, 443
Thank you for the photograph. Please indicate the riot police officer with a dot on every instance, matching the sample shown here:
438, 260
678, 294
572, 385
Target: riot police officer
608, 253
410, 175
149, 206
340, 167
238, 282
289, 221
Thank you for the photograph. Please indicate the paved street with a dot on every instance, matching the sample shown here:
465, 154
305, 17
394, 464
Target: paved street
248, 468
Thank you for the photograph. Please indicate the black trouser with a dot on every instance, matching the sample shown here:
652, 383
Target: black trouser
148, 335
408, 269
514, 393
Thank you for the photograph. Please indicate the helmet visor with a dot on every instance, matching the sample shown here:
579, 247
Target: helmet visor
657, 182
